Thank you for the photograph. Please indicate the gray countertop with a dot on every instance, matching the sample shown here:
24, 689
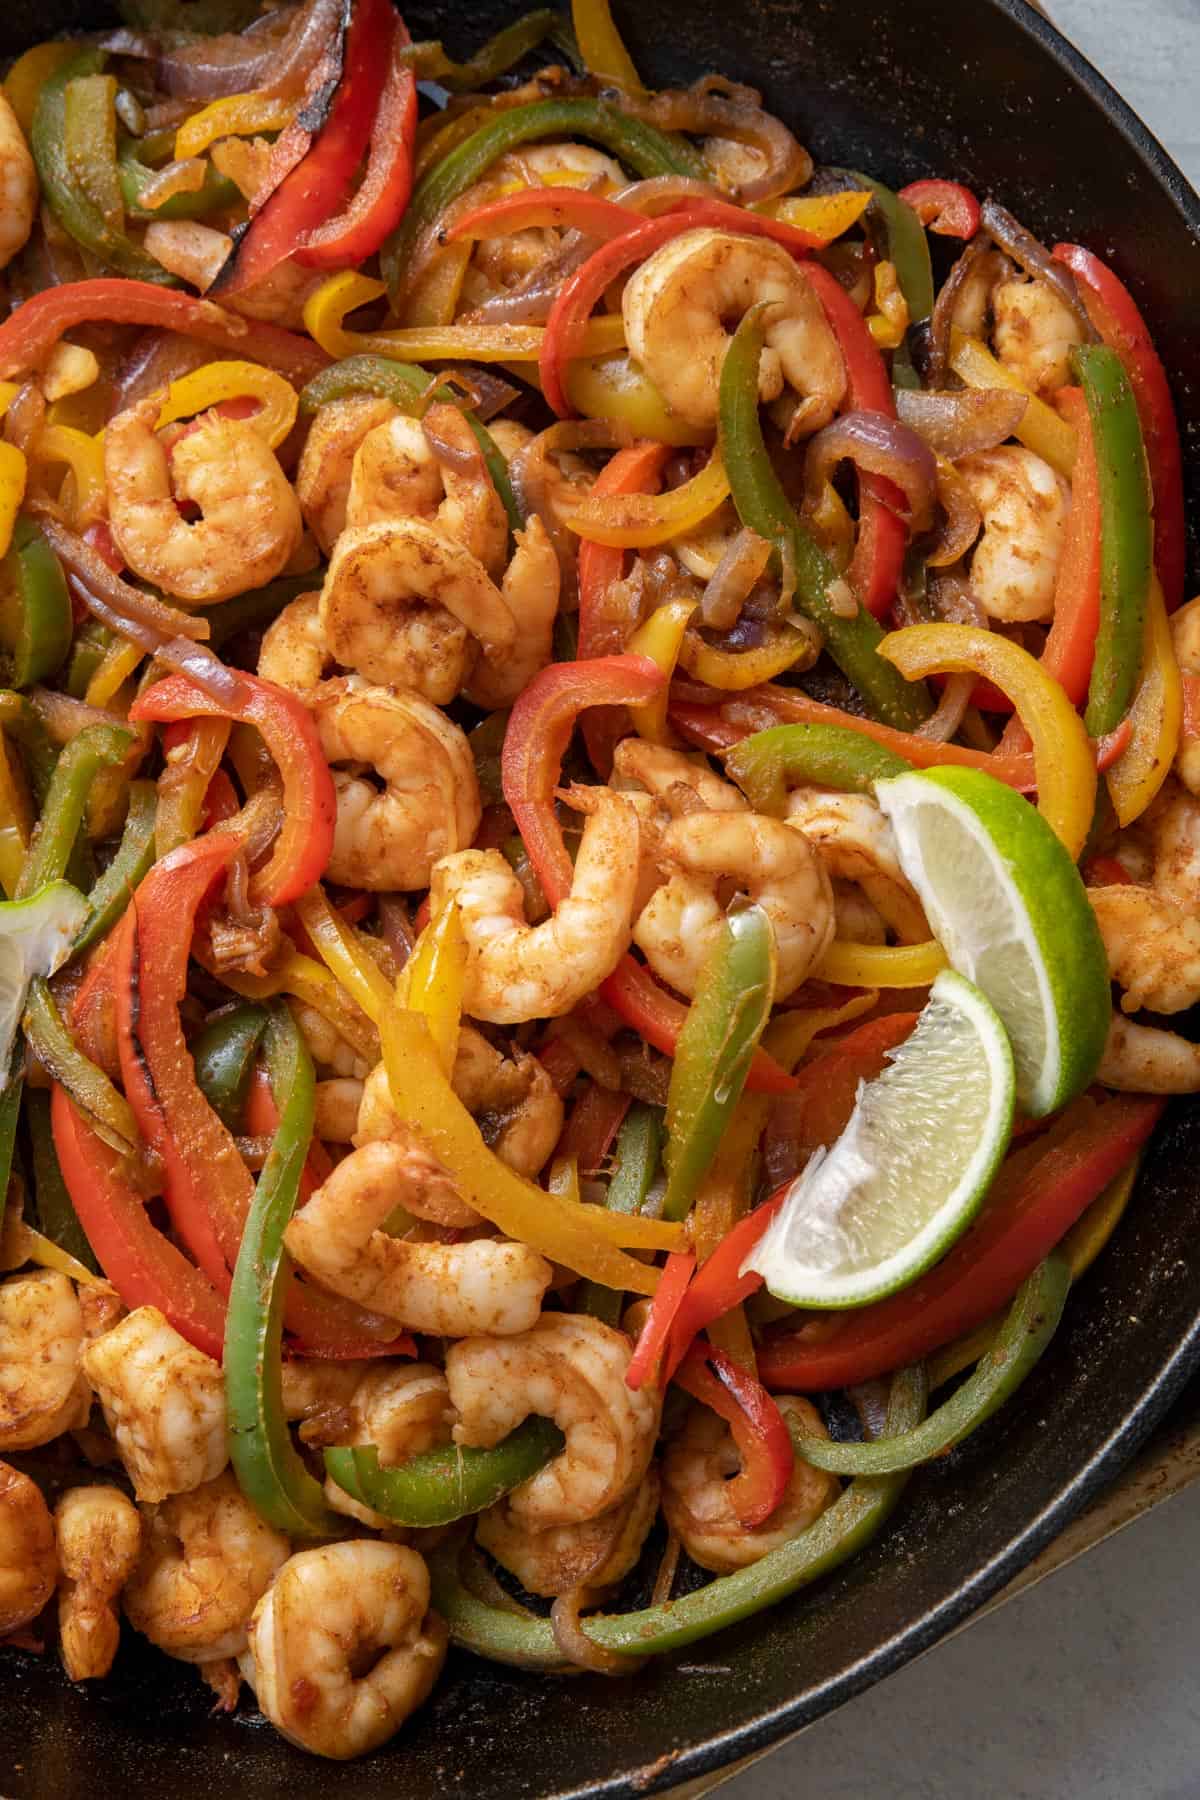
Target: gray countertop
1086, 1685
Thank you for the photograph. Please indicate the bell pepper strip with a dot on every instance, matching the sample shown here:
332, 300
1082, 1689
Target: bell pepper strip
840, 1533
763, 505
53, 1210
615, 388
632, 992
71, 206
13, 472
605, 56
1115, 315
848, 964
29, 74
763, 1442
826, 1092
449, 1482
109, 895
1039, 428
944, 207
216, 192
218, 381
253, 610
1037, 1197
119, 662
192, 752
38, 753
655, 1333
83, 496
1064, 764
224, 1055
29, 334
269, 1469
637, 521
16, 820
337, 947
10, 1113
544, 208
309, 805
233, 115
596, 1118
660, 640
733, 671
433, 981
827, 216
1126, 533
313, 985
90, 143
768, 763
95, 748
493, 58
907, 247
722, 1202
724, 1022
1156, 716
636, 1164
642, 148
40, 639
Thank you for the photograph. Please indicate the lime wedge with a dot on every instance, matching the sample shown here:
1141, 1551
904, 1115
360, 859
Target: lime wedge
35, 939
1007, 904
910, 1170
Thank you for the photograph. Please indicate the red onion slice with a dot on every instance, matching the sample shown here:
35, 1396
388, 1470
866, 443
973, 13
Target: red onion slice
879, 445
956, 424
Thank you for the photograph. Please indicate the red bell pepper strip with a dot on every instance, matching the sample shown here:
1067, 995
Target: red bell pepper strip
763, 1441
827, 1088
319, 183
220, 801
1043, 1188
944, 207
31, 332
595, 1120
1106, 871
379, 203
1115, 315
661, 1315
309, 803
561, 1065
542, 207
1190, 729
719, 1285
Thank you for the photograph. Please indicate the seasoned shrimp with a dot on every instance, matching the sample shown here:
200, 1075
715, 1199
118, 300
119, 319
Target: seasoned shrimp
164, 1401
293, 653
697, 1466
1024, 505
448, 1289
207, 1561
42, 1391
396, 475
430, 1192
99, 1536
18, 186
429, 805
513, 1099
855, 920
517, 971
326, 1045
250, 522
1034, 333
679, 783
27, 1559
1144, 1059
1185, 635
775, 865
405, 604
343, 1647
856, 843
1152, 932
530, 589
680, 307
569, 1368
198, 253
327, 461
594, 1553
335, 1110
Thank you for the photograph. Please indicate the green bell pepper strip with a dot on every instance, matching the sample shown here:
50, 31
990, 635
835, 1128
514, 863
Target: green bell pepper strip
1126, 534
78, 215
1022, 1338
763, 505
258, 607
447, 1483
642, 148
908, 251
79, 762
490, 61
716, 1046
224, 1055
403, 384
110, 894
55, 1215
765, 765
39, 639
637, 1158
91, 645
38, 754
108, 1112
269, 1469
216, 195
90, 142
10, 1112
840, 1533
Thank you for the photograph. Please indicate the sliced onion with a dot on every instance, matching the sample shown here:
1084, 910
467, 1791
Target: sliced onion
530, 474
879, 445
958, 423
197, 662
530, 300
464, 459
65, 717
1036, 260
126, 604
183, 177
718, 108
743, 562
577, 1646
156, 359
141, 46
240, 62
980, 260
963, 519
943, 723
658, 193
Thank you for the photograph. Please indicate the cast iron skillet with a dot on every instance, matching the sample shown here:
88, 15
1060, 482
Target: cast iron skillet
985, 91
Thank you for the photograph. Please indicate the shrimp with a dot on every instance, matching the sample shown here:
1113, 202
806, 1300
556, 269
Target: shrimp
856, 921
595, 1553
1185, 635
42, 1392
696, 1469
99, 1536
569, 1368
396, 475
1152, 932
775, 865
335, 1110
405, 604
429, 805
207, 1561
293, 653
251, 522
517, 971
164, 1401
27, 1559
1143, 1059
198, 253
18, 186
343, 1647
1024, 505
856, 843
430, 1193
680, 306
679, 783
326, 1045
327, 461
448, 1289
530, 589
513, 1099
1034, 333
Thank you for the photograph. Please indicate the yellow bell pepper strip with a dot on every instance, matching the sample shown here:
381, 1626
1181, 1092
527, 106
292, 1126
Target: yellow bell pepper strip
827, 216
12, 491
432, 982
35, 619
889, 322
192, 752
37, 750
604, 55
1039, 428
637, 521
582, 1238
28, 76
736, 670
107, 1111
1156, 715
433, 299
234, 115
493, 59
109, 895
881, 965
217, 381
312, 985
660, 638
54, 1213
84, 456
115, 667
1063, 761
613, 387
16, 821
342, 955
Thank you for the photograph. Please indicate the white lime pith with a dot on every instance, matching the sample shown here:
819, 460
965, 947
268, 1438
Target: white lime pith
35, 939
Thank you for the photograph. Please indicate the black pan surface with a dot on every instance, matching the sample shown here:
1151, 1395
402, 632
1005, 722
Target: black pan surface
985, 91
